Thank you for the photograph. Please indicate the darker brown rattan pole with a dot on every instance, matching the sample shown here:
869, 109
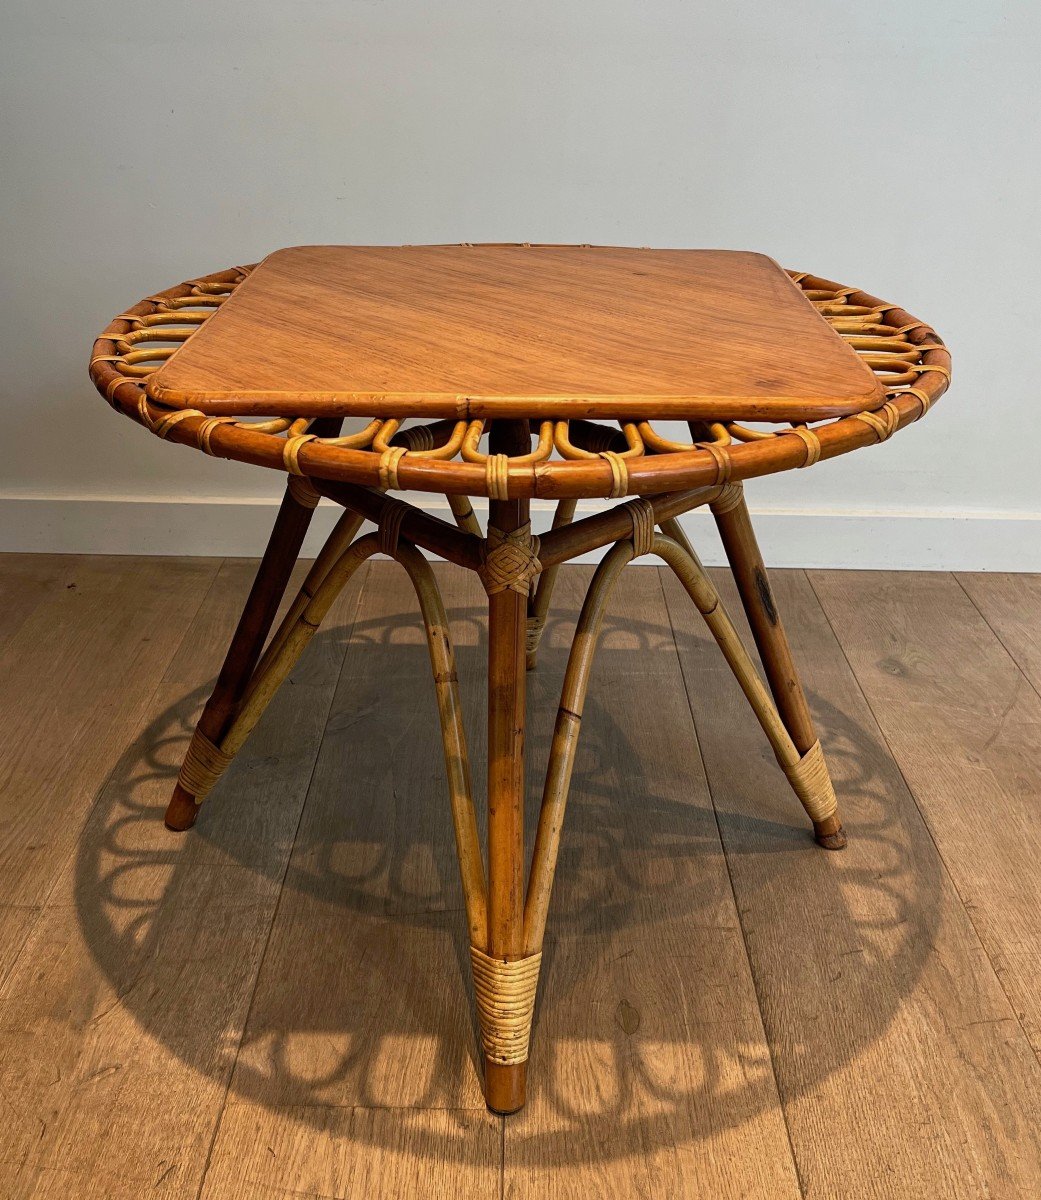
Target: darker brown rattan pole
417, 526
507, 622
276, 566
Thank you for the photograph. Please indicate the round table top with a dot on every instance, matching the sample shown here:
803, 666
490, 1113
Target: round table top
384, 366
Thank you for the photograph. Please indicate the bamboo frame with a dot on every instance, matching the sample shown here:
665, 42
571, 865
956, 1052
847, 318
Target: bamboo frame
506, 912
506, 916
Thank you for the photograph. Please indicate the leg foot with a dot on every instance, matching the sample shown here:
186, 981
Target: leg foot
261, 605
181, 811
809, 777
504, 1086
829, 833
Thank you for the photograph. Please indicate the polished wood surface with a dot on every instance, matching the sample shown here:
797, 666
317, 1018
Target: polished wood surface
730, 1012
519, 331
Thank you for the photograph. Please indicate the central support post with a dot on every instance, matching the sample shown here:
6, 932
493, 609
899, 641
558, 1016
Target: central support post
504, 1083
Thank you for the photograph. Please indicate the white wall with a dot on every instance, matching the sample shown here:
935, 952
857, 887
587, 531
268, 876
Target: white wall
891, 145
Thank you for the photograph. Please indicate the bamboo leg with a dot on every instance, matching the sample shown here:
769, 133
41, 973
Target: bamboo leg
538, 606
264, 684
753, 584
276, 566
453, 737
344, 532
504, 984
565, 743
464, 514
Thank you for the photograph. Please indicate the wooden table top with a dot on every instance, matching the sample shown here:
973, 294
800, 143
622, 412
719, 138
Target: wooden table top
518, 331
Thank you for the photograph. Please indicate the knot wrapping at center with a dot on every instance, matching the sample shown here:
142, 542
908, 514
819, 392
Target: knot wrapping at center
511, 560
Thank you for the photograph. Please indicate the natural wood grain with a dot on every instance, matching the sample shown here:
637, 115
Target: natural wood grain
483, 331
1011, 606
350, 1153
901, 1065
123, 1013
26, 579
74, 680
650, 1073
965, 726
903, 1068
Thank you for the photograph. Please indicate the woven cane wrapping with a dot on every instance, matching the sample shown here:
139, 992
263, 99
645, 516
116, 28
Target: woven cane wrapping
204, 763
505, 994
511, 560
812, 784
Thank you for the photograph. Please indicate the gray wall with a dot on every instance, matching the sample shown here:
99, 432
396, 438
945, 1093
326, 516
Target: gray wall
892, 145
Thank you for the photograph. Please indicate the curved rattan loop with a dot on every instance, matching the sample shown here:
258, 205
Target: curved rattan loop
594, 459
808, 773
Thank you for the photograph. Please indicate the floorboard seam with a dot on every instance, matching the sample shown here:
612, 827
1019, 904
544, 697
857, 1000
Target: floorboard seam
998, 637
146, 707
1036, 1051
733, 891
278, 902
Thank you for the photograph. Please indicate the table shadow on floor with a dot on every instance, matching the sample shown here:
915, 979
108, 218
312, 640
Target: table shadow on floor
369, 950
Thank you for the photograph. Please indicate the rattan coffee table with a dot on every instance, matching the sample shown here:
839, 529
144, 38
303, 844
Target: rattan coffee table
514, 372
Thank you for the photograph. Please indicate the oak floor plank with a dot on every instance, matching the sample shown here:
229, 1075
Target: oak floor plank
76, 625
354, 1152
1011, 606
965, 726
317, 921
74, 680
902, 1068
25, 579
650, 1073
121, 1018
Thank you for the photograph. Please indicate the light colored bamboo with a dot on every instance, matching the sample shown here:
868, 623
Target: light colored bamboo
806, 768
538, 605
464, 514
344, 532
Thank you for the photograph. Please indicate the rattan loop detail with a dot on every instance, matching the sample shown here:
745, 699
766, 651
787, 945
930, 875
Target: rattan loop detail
812, 784
161, 427
619, 473
511, 560
389, 460
496, 473
205, 432
730, 497
291, 452
641, 513
204, 763
392, 514
302, 490
723, 463
505, 995
812, 443
884, 421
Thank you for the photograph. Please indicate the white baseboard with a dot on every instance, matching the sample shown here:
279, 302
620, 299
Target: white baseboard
862, 539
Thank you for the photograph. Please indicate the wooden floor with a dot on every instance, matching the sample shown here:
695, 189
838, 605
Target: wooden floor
277, 1004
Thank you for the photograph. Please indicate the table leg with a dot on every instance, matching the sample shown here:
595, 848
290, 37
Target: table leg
504, 980
267, 591
753, 584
